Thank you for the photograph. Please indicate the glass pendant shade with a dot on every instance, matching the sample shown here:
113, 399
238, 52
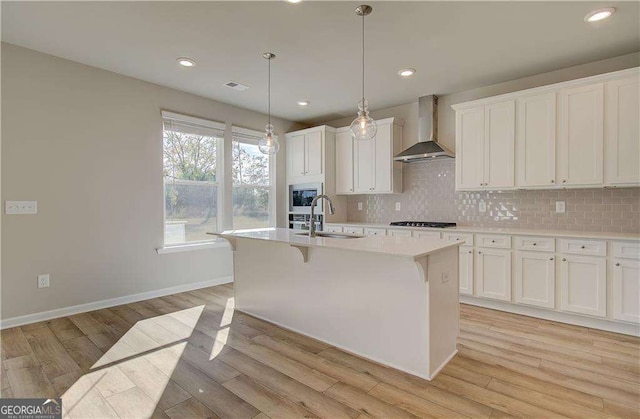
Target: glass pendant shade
363, 127
268, 143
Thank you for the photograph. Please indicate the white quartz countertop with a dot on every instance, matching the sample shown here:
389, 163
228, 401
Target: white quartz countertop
407, 247
510, 231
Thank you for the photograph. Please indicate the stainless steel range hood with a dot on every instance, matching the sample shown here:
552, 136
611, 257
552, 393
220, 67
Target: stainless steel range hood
427, 147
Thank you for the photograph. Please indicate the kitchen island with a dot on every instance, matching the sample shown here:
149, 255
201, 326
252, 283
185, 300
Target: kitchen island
393, 300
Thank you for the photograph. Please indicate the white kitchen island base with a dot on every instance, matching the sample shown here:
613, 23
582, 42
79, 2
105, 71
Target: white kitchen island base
399, 310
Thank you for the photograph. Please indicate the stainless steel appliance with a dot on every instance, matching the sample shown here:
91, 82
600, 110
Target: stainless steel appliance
430, 224
301, 196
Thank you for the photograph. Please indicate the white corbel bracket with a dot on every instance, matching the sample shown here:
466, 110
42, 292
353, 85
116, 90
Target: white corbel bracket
422, 268
304, 250
230, 240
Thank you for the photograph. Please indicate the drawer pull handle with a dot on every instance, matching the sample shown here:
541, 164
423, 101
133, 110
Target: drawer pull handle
493, 241
550, 258
564, 259
564, 181
581, 247
618, 264
469, 251
479, 252
535, 244
553, 181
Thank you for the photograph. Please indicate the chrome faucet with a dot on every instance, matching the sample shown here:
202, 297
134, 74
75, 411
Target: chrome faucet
312, 219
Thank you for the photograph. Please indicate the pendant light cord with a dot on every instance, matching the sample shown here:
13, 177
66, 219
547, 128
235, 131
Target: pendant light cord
363, 59
269, 93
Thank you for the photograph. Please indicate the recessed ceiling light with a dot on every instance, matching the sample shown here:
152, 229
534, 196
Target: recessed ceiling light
407, 72
599, 14
303, 103
186, 62
294, 1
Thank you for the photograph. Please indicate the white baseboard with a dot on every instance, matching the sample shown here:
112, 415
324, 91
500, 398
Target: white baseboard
557, 316
112, 302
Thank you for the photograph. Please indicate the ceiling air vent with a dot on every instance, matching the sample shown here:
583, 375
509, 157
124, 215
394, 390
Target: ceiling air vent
236, 86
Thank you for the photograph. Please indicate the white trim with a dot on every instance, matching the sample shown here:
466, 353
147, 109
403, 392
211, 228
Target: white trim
187, 247
112, 302
444, 364
194, 120
584, 321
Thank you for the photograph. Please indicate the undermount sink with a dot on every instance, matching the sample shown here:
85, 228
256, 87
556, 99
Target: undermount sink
331, 235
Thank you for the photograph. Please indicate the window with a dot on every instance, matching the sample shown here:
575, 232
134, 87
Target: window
192, 152
253, 177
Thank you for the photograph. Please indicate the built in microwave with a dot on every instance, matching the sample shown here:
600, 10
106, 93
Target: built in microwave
301, 196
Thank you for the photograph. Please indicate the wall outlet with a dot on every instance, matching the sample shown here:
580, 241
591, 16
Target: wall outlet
20, 207
359, 206
482, 206
398, 206
560, 209
43, 281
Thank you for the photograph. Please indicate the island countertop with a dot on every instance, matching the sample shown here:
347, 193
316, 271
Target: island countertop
407, 247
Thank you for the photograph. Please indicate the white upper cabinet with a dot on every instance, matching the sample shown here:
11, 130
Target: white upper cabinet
499, 145
373, 167
577, 134
469, 148
622, 132
581, 135
536, 140
305, 152
485, 137
344, 162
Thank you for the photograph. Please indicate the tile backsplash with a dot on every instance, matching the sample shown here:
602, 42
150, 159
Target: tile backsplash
429, 195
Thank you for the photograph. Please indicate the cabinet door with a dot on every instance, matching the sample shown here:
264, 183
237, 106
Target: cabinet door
344, 162
581, 135
535, 279
313, 153
626, 290
296, 155
469, 148
536, 140
622, 132
365, 157
383, 159
494, 273
583, 285
499, 145
466, 270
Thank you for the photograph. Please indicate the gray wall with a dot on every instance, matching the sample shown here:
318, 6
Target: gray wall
429, 188
87, 145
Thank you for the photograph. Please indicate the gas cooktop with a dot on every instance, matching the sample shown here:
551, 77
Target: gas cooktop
430, 224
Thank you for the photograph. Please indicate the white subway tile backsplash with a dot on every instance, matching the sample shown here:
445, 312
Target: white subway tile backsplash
429, 194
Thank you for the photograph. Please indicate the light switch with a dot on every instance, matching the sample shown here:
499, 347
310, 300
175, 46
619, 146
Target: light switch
482, 206
359, 206
20, 207
397, 206
560, 209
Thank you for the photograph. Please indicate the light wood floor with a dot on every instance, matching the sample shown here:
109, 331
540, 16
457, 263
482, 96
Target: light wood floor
189, 355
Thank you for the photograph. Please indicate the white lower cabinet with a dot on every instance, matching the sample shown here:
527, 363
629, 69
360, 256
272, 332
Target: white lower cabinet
493, 274
426, 234
583, 285
332, 229
465, 274
399, 233
535, 279
375, 232
626, 290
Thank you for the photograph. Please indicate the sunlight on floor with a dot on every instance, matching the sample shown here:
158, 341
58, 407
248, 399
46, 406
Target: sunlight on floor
134, 374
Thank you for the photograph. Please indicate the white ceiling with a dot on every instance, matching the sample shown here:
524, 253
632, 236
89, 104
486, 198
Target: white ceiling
454, 46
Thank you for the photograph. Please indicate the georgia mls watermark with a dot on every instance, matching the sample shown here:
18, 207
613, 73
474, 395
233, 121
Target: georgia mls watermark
30, 408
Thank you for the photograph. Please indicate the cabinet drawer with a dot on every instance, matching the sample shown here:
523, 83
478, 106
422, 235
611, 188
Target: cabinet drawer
492, 240
627, 250
467, 238
540, 244
399, 233
583, 247
333, 229
353, 230
375, 232
426, 234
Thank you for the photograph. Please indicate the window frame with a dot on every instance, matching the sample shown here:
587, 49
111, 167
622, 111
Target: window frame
249, 136
219, 183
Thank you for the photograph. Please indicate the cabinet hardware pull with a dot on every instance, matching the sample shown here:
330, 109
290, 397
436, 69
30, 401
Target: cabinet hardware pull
479, 252
553, 181
564, 181
550, 258
493, 241
564, 259
469, 251
535, 244
618, 264
581, 247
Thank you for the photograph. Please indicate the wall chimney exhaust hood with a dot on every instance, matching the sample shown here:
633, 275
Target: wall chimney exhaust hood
427, 147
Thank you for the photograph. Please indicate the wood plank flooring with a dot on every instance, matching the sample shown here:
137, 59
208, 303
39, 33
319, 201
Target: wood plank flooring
190, 355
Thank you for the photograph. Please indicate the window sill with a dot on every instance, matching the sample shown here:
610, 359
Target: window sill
192, 246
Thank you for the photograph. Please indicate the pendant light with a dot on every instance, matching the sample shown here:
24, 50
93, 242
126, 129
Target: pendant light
363, 127
268, 143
